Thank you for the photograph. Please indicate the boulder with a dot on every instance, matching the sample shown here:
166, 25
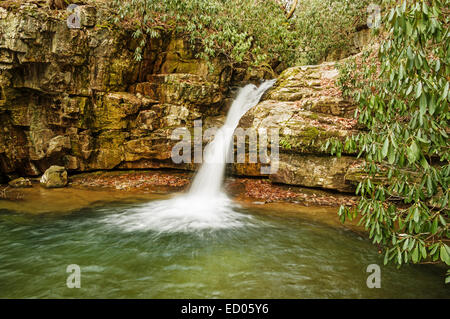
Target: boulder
54, 177
315, 171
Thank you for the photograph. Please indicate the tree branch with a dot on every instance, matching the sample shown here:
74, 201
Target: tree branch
294, 5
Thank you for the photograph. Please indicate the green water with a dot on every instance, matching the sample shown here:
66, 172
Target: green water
273, 257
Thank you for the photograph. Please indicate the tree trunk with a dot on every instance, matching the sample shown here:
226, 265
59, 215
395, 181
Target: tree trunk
294, 5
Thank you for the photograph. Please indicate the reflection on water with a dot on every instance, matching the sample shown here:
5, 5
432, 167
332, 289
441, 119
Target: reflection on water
40, 200
283, 257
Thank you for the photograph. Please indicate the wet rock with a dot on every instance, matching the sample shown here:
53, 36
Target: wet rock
20, 182
76, 97
314, 171
71, 162
109, 150
54, 177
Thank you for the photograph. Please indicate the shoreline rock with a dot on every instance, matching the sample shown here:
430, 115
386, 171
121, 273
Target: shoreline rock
54, 177
20, 182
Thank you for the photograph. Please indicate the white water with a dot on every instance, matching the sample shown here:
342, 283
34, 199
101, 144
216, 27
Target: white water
205, 206
208, 181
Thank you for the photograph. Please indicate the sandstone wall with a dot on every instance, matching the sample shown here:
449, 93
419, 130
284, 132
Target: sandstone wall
77, 98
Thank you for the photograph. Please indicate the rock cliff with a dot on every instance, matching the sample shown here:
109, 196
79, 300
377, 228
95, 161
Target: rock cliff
78, 99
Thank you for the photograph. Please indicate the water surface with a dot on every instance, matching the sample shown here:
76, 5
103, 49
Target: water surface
269, 256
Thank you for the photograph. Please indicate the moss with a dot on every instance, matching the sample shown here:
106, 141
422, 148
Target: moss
307, 140
324, 135
116, 71
285, 144
284, 79
312, 116
310, 132
110, 149
288, 73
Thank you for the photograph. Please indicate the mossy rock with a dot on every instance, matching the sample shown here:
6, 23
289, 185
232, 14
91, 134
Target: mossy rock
54, 177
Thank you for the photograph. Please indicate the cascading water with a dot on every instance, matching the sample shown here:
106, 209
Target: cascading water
208, 181
205, 206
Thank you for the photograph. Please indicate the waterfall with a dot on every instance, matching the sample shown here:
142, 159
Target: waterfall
209, 178
205, 206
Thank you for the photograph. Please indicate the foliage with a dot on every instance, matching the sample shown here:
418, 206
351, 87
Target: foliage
237, 29
323, 26
402, 89
285, 144
253, 31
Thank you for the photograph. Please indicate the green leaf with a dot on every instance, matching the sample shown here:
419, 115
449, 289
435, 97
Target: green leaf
434, 249
432, 106
411, 244
415, 255
413, 152
445, 92
391, 14
409, 90
385, 149
438, 65
425, 8
429, 185
419, 90
423, 104
423, 251
391, 156
442, 220
405, 244
416, 215
434, 226
444, 254
424, 163
399, 257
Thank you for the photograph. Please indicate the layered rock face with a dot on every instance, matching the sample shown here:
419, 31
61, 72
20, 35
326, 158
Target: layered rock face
308, 109
77, 98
